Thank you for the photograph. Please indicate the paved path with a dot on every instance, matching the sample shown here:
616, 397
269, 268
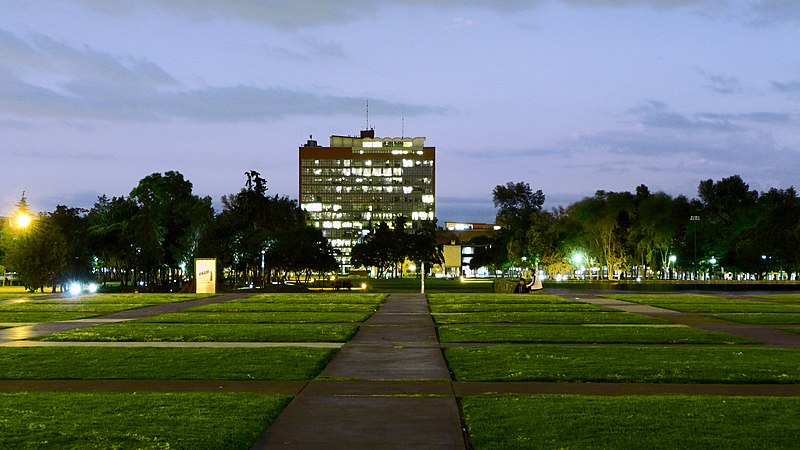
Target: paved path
769, 336
387, 388
19, 333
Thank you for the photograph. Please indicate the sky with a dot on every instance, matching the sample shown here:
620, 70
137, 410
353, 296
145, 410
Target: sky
570, 96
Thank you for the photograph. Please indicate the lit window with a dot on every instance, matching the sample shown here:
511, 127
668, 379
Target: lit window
427, 199
407, 143
313, 207
407, 189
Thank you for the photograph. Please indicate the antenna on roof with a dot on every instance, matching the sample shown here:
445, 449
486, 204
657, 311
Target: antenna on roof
403, 126
367, 128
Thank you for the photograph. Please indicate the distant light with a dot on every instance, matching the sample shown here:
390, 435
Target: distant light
577, 258
363, 285
92, 288
74, 289
713, 260
672, 258
23, 220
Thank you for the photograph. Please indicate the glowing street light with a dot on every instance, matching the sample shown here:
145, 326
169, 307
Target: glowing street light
23, 220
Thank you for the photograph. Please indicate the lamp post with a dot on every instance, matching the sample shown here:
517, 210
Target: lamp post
712, 261
577, 258
694, 220
672, 259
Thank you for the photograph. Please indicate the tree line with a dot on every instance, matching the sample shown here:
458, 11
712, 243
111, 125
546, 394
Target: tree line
150, 238
728, 231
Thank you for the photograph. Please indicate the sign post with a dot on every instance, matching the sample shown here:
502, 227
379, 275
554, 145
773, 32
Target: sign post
205, 273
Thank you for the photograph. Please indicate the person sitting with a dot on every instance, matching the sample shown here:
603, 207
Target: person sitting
522, 287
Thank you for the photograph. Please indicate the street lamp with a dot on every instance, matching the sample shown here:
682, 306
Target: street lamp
712, 261
23, 220
577, 258
672, 259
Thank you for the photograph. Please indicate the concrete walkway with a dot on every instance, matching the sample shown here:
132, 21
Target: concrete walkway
389, 387
20, 333
767, 335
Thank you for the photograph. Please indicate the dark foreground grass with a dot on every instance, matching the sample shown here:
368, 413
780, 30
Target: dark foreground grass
573, 318
616, 364
667, 422
137, 363
205, 332
557, 334
136, 421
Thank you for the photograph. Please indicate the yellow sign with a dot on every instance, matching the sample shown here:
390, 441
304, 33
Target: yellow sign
205, 273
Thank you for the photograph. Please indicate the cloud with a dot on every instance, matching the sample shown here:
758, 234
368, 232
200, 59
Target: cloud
768, 12
658, 115
792, 87
46, 78
722, 84
310, 51
311, 13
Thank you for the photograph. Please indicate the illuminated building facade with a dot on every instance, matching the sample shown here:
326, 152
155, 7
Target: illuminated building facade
358, 182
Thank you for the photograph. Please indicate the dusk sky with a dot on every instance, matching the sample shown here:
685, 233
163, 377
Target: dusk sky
570, 96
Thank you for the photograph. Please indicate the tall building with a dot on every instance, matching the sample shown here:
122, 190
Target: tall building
358, 182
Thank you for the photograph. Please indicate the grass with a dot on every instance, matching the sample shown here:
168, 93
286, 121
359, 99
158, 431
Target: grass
516, 307
53, 316
136, 421
741, 307
314, 298
140, 299
781, 297
557, 334
653, 299
258, 317
156, 363
760, 318
100, 308
546, 318
537, 298
177, 332
668, 422
241, 306
617, 364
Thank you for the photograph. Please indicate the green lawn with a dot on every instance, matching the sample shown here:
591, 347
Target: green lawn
739, 307
242, 306
158, 363
52, 316
654, 299
760, 318
258, 317
617, 364
136, 421
546, 318
558, 334
516, 307
141, 299
315, 297
701, 303
236, 332
537, 298
100, 308
781, 297
657, 422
